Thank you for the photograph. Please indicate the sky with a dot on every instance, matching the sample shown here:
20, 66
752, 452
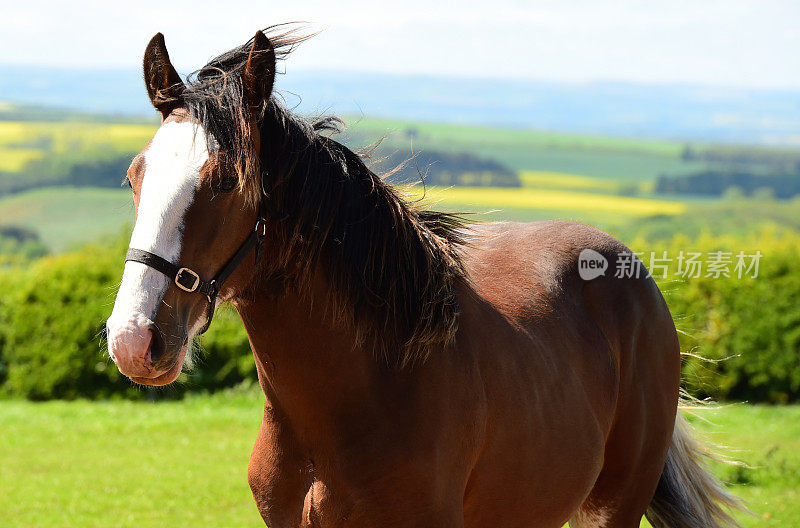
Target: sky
735, 43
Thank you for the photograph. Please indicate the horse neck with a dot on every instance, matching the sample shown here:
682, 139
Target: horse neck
308, 367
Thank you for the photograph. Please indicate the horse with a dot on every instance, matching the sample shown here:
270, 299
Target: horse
418, 370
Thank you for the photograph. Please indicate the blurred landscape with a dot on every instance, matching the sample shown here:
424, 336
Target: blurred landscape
669, 170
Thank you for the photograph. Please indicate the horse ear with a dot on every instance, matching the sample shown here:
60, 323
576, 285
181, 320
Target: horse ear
164, 85
259, 72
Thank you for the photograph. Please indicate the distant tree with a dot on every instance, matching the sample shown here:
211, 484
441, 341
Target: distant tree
717, 182
99, 173
733, 193
447, 168
764, 193
630, 189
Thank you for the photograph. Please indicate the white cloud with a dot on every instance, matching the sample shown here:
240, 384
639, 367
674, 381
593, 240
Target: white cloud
734, 42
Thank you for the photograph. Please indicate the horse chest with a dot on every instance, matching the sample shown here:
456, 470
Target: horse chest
279, 473
284, 500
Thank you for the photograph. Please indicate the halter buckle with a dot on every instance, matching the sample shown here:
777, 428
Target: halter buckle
184, 274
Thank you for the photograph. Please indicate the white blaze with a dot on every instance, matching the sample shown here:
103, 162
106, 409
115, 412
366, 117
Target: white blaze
172, 172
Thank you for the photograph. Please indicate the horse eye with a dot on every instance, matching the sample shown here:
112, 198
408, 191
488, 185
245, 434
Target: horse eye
223, 178
224, 184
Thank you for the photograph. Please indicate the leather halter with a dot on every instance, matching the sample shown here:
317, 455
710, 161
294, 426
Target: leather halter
190, 281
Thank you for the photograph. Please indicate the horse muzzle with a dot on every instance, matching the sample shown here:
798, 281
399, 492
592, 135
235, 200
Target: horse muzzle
141, 352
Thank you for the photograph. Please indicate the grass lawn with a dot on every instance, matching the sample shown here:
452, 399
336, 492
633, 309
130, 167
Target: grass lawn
98, 464
767, 439
126, 464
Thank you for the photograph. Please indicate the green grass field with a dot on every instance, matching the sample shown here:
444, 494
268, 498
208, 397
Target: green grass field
69, 464
566, 176
475, 136
617, 159
184, 463
67, 217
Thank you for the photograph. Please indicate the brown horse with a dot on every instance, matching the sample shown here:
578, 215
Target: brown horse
418, 372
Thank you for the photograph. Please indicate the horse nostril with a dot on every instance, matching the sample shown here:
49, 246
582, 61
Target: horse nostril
157, 345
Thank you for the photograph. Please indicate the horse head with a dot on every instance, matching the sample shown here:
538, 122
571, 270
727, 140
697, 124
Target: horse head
194, 221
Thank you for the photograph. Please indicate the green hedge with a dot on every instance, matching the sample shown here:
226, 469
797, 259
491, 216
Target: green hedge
52, 314
742, 335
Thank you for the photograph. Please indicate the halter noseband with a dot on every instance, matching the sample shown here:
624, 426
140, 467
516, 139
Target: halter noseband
190, 281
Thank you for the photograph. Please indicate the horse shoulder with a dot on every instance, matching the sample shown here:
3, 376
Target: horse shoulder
279, 472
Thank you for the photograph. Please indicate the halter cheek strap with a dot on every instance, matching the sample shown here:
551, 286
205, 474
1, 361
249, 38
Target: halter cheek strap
190, 281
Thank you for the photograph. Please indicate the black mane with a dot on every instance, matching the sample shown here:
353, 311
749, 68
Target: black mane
392, 267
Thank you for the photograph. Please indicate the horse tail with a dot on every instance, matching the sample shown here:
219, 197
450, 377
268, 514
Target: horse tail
688, 495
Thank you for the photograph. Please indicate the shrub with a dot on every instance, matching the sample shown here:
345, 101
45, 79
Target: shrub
747, 329
52, 314
51, 322
52, 317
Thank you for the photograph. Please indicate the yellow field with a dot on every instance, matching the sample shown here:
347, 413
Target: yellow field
13, 131
21, 142
486, 198
129, 137
14, 159
562, 180
544, 194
